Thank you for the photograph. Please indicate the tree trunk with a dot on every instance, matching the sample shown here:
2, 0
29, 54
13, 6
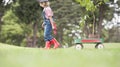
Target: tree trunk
29, 41
60, 34
0, 21
86, 30
101, 13
35, 34
1, 14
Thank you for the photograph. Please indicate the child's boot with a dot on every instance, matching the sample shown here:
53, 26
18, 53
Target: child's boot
55, 42
47, 45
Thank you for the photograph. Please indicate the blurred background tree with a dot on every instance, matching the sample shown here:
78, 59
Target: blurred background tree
21, 21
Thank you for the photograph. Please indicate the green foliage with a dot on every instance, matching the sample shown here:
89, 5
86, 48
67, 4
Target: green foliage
9, 24
10, 29
92, 15
19, 21
28, 11
88, 4
67, 16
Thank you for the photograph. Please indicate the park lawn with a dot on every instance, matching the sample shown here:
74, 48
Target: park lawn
13, 56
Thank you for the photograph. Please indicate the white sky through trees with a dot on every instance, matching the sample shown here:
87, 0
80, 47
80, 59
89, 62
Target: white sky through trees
7, 2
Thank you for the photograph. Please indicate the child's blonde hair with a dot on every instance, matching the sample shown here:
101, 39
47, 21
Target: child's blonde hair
46, 3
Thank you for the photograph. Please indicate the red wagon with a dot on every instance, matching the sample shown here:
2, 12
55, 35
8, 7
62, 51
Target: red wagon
79, 42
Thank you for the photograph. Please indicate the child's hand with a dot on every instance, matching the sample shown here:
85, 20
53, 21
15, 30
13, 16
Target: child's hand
42, 25
53, 27
55, 31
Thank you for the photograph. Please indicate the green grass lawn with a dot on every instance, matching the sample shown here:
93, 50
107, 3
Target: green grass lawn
13, 56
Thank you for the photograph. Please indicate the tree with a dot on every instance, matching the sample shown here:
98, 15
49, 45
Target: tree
72, 18
115, 23
1, 12
67, 17
96, 11
10, 29
3, 8
26, 18
28, 12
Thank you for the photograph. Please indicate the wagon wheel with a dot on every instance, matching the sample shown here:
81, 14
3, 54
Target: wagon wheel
99, 46
79, 46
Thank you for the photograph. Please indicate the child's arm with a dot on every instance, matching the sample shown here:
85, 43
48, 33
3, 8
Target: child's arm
52, 22
49, 14
53, 25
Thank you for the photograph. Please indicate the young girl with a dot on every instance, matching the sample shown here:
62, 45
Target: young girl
48, 24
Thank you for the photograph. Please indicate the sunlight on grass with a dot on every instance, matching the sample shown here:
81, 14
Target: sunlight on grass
13, 56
